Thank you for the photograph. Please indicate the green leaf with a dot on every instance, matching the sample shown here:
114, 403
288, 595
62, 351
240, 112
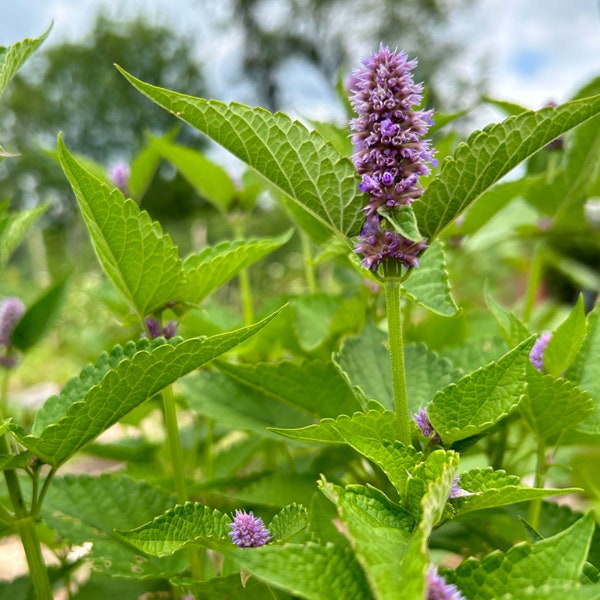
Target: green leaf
13, 56
209, 179
567, 591
314, 387
14, 227
491, 489
126, 386
379, 533
555, 560
404, 221
288, 522
39, 316
209, 269
185, 524
321, 183
313, 571
429, 286
86, 509
490, 154
553, 406
482, 398
565, 341
513, 329
585, 370
141, 261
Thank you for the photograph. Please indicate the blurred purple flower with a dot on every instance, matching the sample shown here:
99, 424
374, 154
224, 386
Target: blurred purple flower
11, 311
536, 356
248, 531
424, 424
155, 330
389, 152
438, 589
457, 491
119, 174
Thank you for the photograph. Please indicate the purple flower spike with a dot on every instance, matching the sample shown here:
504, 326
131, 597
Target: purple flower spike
438, 589
424, 424
11, 311
155, 330
389, 152
536, 356
248, 531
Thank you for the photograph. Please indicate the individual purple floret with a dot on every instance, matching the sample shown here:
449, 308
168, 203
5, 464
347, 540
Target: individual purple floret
536, 356
424, 424
438, 589
11, 311
248, 531
119, 174
389, 152
457, 491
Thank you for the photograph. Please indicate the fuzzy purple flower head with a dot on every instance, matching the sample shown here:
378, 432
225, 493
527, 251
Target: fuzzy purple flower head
424, 424
119, 174
248, 531
457, 491
155, 330
390, 153
11, 311
438, 589
536, 356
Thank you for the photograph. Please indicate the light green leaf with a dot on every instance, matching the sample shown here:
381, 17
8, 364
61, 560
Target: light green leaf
490, 154
370, 427
209, 179
314, 387
312, 571
209, 269
181, 526
288, 522
491, 488
126, 386
13, 56
404, 221
428, 285
83, 509
14, 227
555, 560
566, 340
513, 329
439, 470
585, 370
553, 406
140, 260
321, 183
566, 591
36, 321
482, 398
379, 532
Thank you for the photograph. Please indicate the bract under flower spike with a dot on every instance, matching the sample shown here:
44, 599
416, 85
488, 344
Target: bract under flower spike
389, 151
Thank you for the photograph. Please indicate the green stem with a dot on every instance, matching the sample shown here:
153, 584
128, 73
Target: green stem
396, 344
541, 467
533, 282
172, 429
309, 267
4, 393
247, 300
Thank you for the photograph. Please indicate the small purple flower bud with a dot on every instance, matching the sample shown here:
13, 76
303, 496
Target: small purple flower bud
153, 327
11, 311
248, 531
119, 174
424, 424
170, 329
438, 589
457, 491
536, 356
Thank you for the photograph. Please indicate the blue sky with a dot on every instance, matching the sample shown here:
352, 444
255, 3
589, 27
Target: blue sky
534, 50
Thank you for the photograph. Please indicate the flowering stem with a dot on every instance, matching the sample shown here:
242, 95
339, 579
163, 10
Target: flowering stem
396, 345
533, 283
170, 416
